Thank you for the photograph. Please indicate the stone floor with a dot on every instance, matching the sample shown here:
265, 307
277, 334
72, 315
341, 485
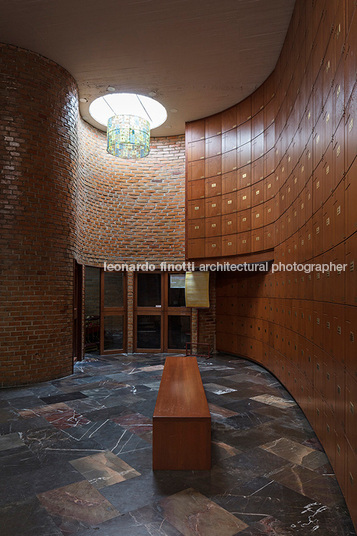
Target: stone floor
76, 458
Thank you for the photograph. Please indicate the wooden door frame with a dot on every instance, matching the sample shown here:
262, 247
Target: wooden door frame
113, 311
77, 331
164, 312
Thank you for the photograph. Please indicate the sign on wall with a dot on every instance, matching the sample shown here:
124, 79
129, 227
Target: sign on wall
197, 289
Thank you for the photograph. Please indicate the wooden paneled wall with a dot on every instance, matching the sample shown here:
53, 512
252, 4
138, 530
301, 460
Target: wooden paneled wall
278, 172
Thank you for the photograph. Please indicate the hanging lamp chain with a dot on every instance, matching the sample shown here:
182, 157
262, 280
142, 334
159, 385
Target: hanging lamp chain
107, 103
145, 110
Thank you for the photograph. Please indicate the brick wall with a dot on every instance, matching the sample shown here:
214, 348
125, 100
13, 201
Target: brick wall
38, 158
131, 211
64, 197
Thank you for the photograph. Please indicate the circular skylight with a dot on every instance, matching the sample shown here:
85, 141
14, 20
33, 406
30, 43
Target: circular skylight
105, 107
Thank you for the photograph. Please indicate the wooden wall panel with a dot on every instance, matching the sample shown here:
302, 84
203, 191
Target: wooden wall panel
281, 169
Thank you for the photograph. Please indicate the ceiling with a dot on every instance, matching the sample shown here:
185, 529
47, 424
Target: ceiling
198, 56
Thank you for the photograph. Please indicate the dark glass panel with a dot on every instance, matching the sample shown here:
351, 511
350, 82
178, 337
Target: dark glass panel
149, 332
179, 331
176, 290
92, 291
149, 290
92, 307
113, 332
113, 289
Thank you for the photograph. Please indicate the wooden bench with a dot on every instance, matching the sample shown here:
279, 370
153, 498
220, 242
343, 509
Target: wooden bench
181, 421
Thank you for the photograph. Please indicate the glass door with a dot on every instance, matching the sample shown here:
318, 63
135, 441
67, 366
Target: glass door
112, 312
148, 312
92, 309
77, 312
162, 321
178, 319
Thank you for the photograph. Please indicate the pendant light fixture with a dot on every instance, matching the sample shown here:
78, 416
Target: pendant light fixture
129, 118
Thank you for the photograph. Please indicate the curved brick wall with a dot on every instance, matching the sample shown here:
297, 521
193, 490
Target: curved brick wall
281, 167
131, 211
64, 197
38, 155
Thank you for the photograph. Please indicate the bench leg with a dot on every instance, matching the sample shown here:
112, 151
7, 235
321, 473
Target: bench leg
181, 444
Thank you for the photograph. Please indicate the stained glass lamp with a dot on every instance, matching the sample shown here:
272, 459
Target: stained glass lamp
129, 118
128, 136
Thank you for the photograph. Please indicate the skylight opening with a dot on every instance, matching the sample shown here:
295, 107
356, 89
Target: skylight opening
102, 108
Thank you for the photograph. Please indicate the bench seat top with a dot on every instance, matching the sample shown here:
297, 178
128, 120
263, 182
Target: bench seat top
181, 393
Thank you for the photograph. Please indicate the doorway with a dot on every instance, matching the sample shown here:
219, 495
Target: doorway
77, 312
105, 311
112, 312
161, 319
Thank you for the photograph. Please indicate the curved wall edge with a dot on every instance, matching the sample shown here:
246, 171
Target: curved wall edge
39, 160
279, 170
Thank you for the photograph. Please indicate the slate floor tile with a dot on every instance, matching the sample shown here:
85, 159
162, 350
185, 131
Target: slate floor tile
220, 412
274, 401
54, 399
28, 518
143, 491
11, 441
247, 420
76, 506
218, 389
192, 513
296, 453
59, 415
104, 469
37, 480
7, 412
320, 488
221, 451
58, 438
136, 423
145, 521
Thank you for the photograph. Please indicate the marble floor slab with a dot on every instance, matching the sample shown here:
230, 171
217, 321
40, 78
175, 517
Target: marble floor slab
218, 389
109, 398
194, 514
54, 399
27, 518
247, 420
11, 441
136, 423
104, 469
248, 390
59, 415
276, 401
105, 384
76, 458
220, 412
221, 451
148, 489
146, 521
321, 488
7, 413
84, 406
33, 478
24, 402
77, 505
296, 453
150, 368
154, 385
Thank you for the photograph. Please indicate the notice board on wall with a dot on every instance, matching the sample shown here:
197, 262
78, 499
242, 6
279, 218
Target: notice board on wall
197, 289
